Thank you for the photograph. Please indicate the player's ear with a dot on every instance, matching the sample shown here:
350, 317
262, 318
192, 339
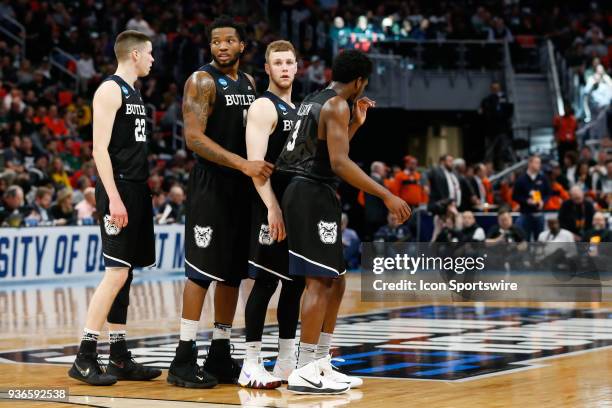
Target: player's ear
267, 68
242, 46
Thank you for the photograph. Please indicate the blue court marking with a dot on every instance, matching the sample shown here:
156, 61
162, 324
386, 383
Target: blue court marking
442, 366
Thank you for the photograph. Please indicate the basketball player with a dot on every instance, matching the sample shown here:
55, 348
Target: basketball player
270, 120
124, 204
317, 151
218, 207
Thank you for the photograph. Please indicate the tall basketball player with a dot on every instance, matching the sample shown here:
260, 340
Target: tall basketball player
270, 120
215, 105
317, 151
124, 203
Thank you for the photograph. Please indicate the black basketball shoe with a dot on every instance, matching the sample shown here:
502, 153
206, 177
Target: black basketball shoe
125, 368
187, 373
89, 369
220, 363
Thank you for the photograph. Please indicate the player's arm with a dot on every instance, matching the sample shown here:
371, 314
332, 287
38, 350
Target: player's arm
261, 121
198, 100
358, 116
335, 117
106, 103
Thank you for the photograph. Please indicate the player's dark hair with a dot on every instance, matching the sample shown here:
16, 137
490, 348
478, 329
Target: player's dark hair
227, 22
350, 65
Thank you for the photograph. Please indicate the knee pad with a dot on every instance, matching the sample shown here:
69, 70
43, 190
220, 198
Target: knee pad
118, 311
204, 284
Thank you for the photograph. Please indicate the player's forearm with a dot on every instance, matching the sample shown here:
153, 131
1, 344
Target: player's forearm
264, 189
206, 148
105, 171
353, 127
350, 172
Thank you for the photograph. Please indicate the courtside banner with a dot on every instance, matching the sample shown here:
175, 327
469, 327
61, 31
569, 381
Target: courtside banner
497, 271
48, 253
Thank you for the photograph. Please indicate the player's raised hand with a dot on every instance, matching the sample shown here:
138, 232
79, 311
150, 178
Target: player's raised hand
360, 109
258, 168
276, 224
118, 213
398, 207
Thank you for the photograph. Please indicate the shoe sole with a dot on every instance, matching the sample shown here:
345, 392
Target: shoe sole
314, 391
174, 380
120, 378
84, 379
268, 386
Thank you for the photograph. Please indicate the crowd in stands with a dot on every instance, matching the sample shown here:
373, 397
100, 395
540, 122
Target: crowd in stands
47, 175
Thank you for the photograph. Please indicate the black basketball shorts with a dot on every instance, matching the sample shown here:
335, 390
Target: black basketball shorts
312, 215
268, 259
217, 225
134, 245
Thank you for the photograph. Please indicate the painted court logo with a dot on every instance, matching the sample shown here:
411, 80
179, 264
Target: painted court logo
450, 343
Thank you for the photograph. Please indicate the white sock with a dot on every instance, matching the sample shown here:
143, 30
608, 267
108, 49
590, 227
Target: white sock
253, 350
306, 354
90, 335
324, 345
286, 349
189, 329
222, 331
116, 336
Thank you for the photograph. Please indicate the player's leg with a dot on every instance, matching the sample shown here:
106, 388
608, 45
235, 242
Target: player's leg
288, 313
253, 373
219, 362
86, 366
325, 338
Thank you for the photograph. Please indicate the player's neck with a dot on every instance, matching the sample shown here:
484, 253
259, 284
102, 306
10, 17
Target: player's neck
284, 94
127, 73
341, 89
231, 71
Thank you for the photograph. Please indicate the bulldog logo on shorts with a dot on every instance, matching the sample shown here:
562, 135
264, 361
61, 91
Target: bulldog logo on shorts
202, 235
328, 232
264, 235
110, 227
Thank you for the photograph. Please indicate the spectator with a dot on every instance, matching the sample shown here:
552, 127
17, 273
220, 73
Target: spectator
569, 163
604, 183
583, 177
471, 232
565, 131
12, 210
447, 228
481, 186
28, 153
576, 214
54, 123
58, 173
42, 203
531, 191
444, 186
350, 244
138, 23
555, 233
393, 231
315, 74
175, 208
86, 208
497, 112
468, 196
505, 231
558, 193
375, 212
410, 184
85, 70
63, 211
599, 232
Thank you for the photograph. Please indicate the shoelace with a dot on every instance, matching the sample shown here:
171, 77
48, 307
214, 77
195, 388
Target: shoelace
101, 365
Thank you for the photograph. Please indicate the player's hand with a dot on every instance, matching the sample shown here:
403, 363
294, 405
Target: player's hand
360, 109
398, 207
258, 168
118, 213
277, 226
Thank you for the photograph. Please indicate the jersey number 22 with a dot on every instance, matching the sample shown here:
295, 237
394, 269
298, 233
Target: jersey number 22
139, 131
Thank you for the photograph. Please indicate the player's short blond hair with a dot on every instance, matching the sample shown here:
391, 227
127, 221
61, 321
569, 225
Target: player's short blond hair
127, 41
279, 46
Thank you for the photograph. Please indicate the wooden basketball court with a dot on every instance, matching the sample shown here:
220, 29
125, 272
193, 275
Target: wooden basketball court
562, 354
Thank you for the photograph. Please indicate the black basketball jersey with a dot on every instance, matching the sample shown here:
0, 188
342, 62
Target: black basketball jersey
304, 153
128, 144
227, 123
286, 116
